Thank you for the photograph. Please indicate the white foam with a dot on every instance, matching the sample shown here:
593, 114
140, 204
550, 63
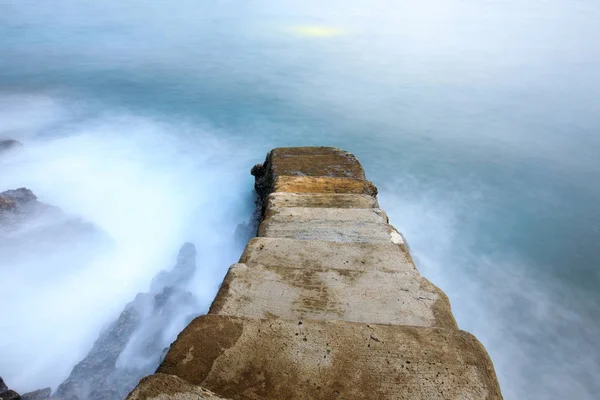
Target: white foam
149, 185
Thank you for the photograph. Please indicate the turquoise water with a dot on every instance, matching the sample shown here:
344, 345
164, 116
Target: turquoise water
478, 121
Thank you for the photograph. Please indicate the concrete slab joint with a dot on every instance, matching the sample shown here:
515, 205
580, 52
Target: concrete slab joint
326, 303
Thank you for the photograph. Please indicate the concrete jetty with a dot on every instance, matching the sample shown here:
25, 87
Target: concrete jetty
325, 303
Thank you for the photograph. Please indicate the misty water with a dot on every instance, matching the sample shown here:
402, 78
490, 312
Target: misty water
479, 121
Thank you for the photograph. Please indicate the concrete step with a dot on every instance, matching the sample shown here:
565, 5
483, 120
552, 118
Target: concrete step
307, 151
369, 296
277, 359
321, 200
308, 214
169, 387
307, 184
327, 230
326, 161
320, 255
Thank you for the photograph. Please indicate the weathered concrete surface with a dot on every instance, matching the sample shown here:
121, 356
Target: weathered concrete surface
309, 214
332, 231
277, 359
335, 200
329, 224
369, 296
329, 162
318, 162
300, 184
169, 387
321, 255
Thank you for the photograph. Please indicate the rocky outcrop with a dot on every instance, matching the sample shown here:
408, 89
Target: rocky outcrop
18, 203
28, 226
133, 345
42, 394
7, 394
326, 303
247, 230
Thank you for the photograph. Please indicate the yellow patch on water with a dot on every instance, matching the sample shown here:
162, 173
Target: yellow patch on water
316, 31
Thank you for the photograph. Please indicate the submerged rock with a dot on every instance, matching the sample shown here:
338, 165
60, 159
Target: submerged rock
134, 345
42, 394
180, 274
19, 205
18, 201
7, 144
247, 230
41, 239
29, 228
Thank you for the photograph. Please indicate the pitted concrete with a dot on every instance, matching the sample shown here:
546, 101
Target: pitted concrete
169, 387
335, 200
277, 359
309, 214
330, 167
331, 231
330, 162
308, 184
307, 151
356, 296
321, 255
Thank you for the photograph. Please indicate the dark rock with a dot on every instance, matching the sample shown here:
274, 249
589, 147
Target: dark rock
263, 178
29, 227
10, 395
19, 205
16, 200
34, 235
134, 345
42, 394
97, 368
181, 272
247, 230
21, 195
6, 393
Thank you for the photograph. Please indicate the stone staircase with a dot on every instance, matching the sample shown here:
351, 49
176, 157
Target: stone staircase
325, 303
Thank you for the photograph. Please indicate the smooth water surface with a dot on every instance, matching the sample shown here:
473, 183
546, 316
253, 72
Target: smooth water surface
478, 120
